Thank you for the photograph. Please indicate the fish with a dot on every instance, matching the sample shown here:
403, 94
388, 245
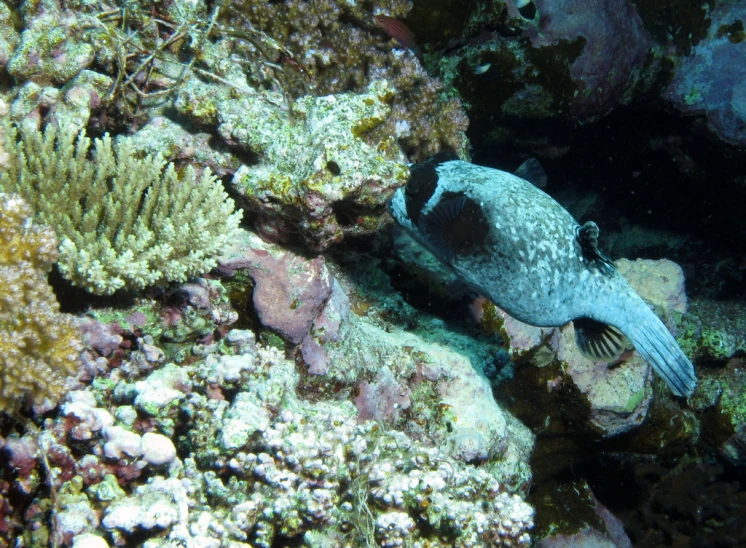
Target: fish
399, 32
515, 245
481, 69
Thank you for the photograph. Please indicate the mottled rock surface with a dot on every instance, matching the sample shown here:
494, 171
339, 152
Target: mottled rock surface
294, 296
711, 80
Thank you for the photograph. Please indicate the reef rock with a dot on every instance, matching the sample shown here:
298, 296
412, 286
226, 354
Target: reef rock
567, 59
425, 118
436, 391
574, 518
711, 80
618, 396
614, 47
316, 178
294, 296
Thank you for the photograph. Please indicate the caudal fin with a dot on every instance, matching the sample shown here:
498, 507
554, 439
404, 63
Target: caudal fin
656, 344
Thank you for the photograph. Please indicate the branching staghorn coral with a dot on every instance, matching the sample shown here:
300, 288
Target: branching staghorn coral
39, 346
124, 222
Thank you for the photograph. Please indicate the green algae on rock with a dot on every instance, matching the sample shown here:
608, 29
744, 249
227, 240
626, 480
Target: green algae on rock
729, 417
714, 331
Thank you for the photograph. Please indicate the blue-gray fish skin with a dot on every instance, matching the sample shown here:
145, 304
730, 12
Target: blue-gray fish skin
518, 247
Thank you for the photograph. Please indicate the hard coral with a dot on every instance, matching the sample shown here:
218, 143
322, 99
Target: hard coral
39, 346
276, 465
124, 221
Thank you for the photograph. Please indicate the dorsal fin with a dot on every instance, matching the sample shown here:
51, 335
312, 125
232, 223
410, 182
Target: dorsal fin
587, 236
598, 341
532, 171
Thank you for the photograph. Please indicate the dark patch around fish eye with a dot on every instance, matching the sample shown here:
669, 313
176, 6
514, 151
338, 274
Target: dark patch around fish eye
457, 226
528, 11
421, 185
423, 180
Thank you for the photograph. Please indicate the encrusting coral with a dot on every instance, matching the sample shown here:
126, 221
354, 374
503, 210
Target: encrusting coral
39, 345
124, 221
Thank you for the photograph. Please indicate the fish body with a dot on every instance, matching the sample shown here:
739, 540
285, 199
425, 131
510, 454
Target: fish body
399, 32
517, 246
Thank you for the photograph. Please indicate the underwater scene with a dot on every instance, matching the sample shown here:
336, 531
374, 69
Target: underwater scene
372, 273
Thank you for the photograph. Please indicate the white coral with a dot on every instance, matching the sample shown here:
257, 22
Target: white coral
393, 528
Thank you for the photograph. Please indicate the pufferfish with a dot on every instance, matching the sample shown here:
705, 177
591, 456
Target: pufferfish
515, 245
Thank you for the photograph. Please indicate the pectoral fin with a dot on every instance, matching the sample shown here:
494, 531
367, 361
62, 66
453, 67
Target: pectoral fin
456, 226
598, 341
